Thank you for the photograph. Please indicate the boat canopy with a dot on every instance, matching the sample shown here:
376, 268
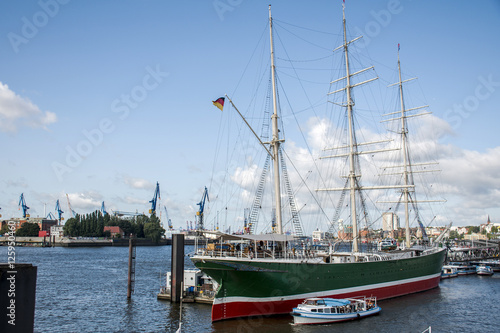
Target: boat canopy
255, 238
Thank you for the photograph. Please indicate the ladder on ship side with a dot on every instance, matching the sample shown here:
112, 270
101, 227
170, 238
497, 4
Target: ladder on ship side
297, 226
256, 205
338, 209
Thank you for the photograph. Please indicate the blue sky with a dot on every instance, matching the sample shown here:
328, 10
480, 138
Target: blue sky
102, 99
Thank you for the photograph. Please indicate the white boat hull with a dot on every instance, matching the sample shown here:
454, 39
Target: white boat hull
304, 318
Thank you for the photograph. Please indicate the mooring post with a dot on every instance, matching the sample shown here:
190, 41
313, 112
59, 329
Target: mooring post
17, 300
177, 267
131, 266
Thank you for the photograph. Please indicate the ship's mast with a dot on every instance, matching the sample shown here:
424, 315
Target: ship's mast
407, 170
275, 142
352, 143
405, 156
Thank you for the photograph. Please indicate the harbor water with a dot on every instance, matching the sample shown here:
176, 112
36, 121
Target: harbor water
85, 290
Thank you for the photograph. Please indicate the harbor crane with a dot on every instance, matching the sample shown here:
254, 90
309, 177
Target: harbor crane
22, 204
59, 211
103, 209
170, 226
50, 216
154, 200
73, 213
199, 213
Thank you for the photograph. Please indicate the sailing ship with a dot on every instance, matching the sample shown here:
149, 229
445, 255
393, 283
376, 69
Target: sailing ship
262, 275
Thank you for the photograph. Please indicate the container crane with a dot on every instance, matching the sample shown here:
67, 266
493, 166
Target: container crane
22, 204
73, 213
170, 226
103, 209
59, 211
154, 200
50, 216
199, 213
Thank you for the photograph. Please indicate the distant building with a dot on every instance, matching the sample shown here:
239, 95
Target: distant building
46, 224
18, 222
390, 221
460, 230
346, 232
475, 236
487, 227
115, 231
318, 235
57, 231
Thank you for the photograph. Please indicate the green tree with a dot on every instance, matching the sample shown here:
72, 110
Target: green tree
5, 229
454, 234
153, 229
28, 230
72, 227
473, 229
494, 229
99, 229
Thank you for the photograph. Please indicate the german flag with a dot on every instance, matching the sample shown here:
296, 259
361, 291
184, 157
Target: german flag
219, 102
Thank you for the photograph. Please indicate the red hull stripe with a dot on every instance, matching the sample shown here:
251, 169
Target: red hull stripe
264, 307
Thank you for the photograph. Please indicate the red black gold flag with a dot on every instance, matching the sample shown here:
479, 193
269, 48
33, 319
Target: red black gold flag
219, 102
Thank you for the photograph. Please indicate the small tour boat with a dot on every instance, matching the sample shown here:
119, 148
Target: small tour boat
330, 310
387, 244
463, 269
449, 271
494, 264
484, 270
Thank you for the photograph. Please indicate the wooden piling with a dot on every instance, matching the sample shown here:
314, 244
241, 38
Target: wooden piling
177, 267
131, 267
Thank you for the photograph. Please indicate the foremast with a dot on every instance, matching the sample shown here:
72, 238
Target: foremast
275, 143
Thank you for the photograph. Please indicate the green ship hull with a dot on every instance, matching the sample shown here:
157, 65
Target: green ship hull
267, 287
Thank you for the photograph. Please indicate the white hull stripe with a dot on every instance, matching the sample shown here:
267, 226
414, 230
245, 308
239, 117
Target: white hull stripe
324, 293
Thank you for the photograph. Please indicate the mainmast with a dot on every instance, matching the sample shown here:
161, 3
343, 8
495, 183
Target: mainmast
353, 183
275, 141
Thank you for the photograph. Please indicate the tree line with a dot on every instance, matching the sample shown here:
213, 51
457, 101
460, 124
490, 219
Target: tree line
92, 225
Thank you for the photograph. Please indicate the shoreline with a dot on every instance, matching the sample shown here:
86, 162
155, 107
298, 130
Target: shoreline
89, 242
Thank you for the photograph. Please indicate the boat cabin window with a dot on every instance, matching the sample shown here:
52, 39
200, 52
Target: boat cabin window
334, 310
327, 310
314, 310
320, 310
320, 302
311, 302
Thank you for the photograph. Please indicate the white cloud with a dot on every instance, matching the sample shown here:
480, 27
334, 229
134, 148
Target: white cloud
85, 202
138, 183
134, 201
469, 180
17, 111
